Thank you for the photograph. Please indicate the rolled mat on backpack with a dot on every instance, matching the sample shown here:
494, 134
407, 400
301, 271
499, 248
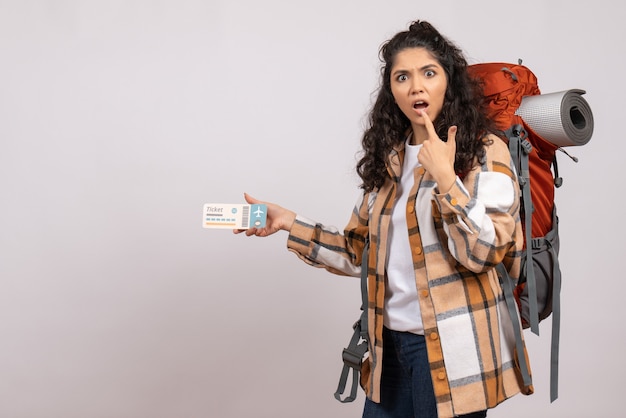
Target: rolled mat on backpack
563, 118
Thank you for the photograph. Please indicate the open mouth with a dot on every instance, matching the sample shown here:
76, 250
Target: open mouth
420, 105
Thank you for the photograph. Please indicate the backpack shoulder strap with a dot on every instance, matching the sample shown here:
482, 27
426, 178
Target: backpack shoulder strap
353, 354
520, 148
509, 298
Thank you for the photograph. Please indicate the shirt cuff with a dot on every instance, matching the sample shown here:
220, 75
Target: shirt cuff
454, 201
300, 236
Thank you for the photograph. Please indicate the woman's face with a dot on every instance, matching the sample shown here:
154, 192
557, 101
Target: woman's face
418, 83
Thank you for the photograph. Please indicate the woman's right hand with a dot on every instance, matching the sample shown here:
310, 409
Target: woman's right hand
277, 218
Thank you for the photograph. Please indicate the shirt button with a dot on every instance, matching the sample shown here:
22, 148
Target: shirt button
441, 376
433, 336
418, 250
453, 201
411, 209
425, 293
420, 170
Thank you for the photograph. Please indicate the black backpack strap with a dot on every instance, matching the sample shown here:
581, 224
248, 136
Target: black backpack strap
352, 359
551, 243
520, 148
552, 237
509, 298
353, 354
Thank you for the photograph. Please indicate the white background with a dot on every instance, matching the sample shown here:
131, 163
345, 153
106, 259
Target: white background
120, 119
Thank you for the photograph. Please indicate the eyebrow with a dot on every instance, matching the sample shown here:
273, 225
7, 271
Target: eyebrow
423, 68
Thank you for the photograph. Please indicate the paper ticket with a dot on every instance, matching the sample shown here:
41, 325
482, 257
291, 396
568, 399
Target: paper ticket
234, 216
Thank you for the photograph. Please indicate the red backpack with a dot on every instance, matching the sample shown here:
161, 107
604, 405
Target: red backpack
537, 292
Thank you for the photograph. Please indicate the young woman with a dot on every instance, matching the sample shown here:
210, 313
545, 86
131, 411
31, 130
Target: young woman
440, 206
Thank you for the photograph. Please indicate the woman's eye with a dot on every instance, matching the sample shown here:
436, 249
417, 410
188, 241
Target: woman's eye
402, 77
429, 73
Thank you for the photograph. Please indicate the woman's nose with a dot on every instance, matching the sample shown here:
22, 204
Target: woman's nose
416, 85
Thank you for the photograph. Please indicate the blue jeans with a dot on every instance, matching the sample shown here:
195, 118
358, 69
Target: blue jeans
406, 386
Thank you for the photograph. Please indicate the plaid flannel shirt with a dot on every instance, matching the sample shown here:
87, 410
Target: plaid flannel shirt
457, 238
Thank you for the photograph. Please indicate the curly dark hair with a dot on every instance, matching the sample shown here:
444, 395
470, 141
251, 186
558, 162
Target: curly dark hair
463, 107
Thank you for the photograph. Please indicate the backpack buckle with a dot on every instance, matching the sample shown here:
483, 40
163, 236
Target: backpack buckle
352, 358
526, 146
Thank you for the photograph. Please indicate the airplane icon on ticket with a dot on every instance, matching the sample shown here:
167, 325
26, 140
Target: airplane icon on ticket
258, 212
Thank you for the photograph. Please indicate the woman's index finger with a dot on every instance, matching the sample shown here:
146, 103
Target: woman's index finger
428, 123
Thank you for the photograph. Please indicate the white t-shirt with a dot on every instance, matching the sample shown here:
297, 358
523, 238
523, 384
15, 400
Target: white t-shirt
402, 311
